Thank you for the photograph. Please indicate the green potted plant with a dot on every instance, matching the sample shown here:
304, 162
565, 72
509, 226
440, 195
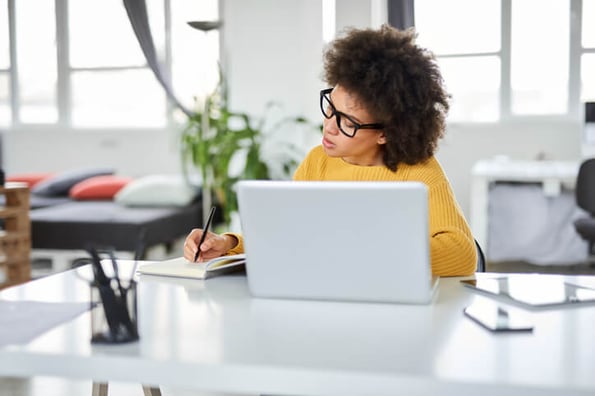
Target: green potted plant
217, 141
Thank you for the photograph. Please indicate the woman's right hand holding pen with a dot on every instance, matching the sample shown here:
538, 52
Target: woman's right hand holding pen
214, 245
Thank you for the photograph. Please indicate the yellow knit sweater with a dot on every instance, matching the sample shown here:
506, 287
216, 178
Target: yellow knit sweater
452, 247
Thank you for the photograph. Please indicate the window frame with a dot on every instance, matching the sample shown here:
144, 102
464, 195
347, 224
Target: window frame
574, 104
63, 99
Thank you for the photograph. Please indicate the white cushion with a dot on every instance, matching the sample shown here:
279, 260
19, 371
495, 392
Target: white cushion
157, 190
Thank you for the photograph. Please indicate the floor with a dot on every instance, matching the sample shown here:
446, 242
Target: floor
518, 266
47, 386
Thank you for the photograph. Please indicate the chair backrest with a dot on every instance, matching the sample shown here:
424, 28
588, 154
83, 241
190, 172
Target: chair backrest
585, 186
481, 260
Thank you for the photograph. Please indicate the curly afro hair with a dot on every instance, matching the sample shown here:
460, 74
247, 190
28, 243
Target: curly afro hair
398, 83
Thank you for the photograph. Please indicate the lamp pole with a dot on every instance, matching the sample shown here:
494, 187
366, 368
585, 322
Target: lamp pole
206, 26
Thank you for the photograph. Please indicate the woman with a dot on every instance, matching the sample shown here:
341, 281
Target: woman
383, 117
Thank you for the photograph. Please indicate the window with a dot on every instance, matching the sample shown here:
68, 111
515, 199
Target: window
500, 61
194, 53
110, 84
539, 57
470, 63
588, 53
5, 117
78, 64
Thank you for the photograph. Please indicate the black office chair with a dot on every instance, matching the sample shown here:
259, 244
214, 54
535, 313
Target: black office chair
481, 259
585, 199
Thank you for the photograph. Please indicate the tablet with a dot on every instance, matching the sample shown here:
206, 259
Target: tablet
531, 290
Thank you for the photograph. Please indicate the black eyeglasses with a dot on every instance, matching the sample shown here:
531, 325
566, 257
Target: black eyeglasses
347, 125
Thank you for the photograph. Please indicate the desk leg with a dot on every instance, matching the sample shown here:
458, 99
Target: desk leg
99, 389
151, 391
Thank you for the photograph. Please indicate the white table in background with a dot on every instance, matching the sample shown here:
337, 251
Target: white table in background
552, 174
211, 335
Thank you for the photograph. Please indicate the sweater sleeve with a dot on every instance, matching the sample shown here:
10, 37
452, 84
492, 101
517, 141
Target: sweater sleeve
239, 248
453, 253
452, 247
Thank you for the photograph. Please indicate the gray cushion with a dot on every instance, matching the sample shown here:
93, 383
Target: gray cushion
60, 184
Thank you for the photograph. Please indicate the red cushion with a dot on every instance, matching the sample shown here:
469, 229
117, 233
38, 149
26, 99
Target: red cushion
30, 178
99, 187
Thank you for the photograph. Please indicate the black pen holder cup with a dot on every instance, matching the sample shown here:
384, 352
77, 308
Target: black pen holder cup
114, 317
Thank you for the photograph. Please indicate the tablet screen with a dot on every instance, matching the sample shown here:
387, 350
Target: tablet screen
534, 290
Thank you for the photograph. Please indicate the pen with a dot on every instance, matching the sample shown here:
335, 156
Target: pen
204, 233
106, 293
139, 251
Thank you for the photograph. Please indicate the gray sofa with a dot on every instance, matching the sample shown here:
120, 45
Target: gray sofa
73, 225
65, 225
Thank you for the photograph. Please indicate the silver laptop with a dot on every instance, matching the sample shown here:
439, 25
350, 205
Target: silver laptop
354, 241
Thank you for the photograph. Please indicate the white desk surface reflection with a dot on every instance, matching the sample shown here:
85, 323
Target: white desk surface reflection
211, 335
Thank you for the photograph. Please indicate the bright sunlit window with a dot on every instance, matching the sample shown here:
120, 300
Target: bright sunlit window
71, 68
446, 31
588, 52
588, 27
36, 61
505, 60
5, 116
110, 84
470, 63
328, 20
539, 56
195, 54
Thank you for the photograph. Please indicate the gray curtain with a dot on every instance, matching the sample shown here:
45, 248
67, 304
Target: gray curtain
400, 13
590, 112
139, 19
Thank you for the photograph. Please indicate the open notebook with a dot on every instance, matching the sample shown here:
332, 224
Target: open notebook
182, 268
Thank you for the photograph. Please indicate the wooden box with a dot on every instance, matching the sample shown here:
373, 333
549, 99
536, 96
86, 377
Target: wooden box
15, 235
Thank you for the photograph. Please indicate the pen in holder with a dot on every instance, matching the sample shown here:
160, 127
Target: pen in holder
113, 301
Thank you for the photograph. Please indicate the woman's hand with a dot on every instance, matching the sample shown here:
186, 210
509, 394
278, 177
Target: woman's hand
213, 246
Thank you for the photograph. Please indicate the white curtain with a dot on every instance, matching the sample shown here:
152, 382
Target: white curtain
527, 225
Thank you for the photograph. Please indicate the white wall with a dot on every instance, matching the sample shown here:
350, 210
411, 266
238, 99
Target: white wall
130, 153
272, 51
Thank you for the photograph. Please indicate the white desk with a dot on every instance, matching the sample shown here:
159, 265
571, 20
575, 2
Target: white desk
212, 336
552, 174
